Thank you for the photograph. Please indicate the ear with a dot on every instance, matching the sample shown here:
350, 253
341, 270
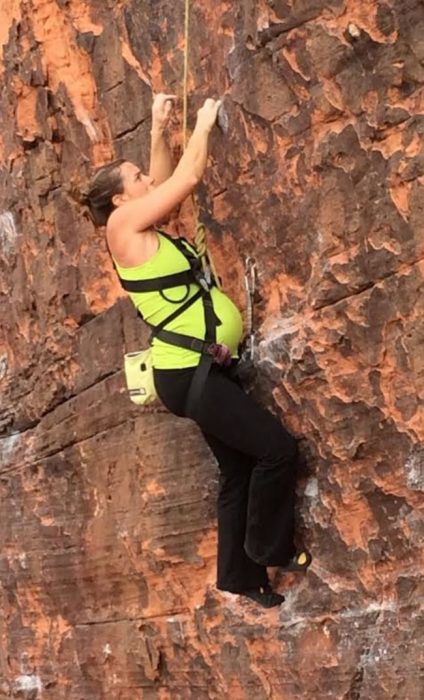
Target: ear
119, 199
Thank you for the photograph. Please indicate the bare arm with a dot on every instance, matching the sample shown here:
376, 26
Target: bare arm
161, 165
142, 213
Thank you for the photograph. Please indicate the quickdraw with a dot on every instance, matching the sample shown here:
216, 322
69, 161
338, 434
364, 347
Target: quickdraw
250, 287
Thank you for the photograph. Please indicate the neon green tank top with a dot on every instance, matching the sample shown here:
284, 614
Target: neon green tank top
154, 308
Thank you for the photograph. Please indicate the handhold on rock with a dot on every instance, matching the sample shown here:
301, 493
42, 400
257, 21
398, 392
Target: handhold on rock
222, 119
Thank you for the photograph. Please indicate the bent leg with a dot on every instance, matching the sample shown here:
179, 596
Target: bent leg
227, 414
234, 418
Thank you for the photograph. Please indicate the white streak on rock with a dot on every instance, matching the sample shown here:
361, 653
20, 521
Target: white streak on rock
3, 366
415, 470
28, 683
7, 447
281, 328
262, 22
353, 30
311, 490
91, 128
8, 233
299, 619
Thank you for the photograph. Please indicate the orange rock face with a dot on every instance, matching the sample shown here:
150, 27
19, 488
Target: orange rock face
107, 537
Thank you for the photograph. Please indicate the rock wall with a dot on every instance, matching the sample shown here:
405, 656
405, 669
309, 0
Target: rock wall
107, 511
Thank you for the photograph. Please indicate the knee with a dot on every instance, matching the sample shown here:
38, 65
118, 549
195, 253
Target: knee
282, 448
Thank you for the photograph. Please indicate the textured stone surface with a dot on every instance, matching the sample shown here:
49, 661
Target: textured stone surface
107, 538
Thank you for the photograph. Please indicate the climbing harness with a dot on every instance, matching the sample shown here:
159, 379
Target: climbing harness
138, 367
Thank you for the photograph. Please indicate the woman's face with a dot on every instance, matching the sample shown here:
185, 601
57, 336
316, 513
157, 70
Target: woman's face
135, 183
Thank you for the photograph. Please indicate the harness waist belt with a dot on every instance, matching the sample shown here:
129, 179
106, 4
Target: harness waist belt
159, 283
188, 342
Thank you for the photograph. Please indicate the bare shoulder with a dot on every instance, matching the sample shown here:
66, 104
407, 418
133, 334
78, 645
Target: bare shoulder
115, 226
131, 248
115, 238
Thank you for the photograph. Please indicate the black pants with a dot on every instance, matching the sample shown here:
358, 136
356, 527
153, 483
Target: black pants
257, 460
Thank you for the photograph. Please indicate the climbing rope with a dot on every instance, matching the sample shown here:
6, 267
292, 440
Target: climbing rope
200, 236
185, 78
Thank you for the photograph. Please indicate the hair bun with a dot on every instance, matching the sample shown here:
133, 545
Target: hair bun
85, 193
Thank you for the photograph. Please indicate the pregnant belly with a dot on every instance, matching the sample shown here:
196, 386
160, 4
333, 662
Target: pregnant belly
230, 331
191, 323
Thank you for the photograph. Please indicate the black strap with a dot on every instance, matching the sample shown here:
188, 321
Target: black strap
211, 319
197, 385
211, 323
196, 276
188, 342
177, 312
183, 245
159, 283
201, 374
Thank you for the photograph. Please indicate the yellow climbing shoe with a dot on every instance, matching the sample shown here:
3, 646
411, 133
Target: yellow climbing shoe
300, 562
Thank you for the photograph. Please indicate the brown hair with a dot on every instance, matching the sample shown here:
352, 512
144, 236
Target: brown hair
97, 197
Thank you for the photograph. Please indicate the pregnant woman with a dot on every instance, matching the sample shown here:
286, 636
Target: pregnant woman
256, 455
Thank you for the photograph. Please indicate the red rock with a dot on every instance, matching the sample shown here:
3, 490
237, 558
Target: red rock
108, 539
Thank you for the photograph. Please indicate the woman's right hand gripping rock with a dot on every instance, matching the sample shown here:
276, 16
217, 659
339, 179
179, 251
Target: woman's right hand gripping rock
207, 114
